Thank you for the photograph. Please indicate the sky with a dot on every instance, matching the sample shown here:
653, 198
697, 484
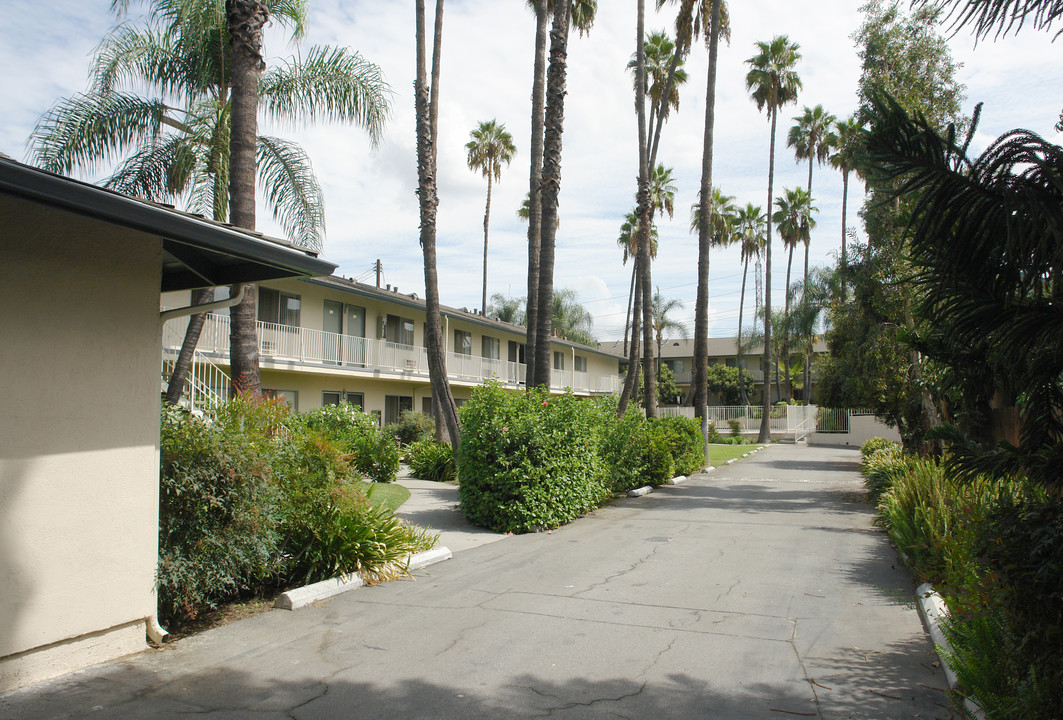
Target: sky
488, 46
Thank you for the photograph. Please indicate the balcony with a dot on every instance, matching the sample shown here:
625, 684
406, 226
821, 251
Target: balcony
283, 344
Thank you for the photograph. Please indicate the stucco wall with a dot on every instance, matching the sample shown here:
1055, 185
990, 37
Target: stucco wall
78, 462
861, 429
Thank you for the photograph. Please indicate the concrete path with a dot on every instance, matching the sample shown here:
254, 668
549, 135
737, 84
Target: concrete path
760, 591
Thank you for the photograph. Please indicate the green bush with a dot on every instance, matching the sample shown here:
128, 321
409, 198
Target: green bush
217, 509
373, 451
434, 461
685, 443
623, 448
527, 461
736, 427
714, 434
413, 426
870, 447
881, 468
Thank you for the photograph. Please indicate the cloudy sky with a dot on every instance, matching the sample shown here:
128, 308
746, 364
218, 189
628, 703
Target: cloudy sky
486, 73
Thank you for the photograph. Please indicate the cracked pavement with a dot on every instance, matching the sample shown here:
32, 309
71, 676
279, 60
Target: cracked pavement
761, 590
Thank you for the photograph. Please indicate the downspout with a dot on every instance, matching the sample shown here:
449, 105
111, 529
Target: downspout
205, 307
154, 629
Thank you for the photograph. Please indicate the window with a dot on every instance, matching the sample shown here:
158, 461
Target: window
397, 330
356, 399
394, 405
559, 360
731, 362
516, 351
289, 396
581, 364
278, 307
329, 397
490, 347
426, 405
462, 342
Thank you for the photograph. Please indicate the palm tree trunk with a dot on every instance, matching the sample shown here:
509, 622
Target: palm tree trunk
426, 101
246, 20
644, 215
786, 329
188, 348
741, 309
701, 302
550, 186
765, 424
845, 202
631, 379
487, 221
535, 206
630, 294
804, 290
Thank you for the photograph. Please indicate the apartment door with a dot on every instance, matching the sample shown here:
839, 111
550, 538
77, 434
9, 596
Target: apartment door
332, 322
355, 341
394, 405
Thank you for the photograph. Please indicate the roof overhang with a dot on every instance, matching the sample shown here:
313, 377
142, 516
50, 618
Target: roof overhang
196, 252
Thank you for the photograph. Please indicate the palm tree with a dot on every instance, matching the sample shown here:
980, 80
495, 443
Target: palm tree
794, 217
507, 309
628, 240
662, 323
660, 53
582, 14
773, 83
749, 227
490, 146
812, 137
570, 319
426, 100
846, 157
174, 144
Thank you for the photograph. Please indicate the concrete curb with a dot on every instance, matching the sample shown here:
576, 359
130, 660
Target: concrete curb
639, 492
677, 479
932, 609
309, 594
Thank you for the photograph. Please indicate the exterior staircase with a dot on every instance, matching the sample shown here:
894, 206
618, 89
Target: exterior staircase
206, 384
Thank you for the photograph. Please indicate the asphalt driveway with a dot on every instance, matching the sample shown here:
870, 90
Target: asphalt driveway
761, 590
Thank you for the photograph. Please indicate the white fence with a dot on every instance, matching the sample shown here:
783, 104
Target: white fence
205, 384
798, 420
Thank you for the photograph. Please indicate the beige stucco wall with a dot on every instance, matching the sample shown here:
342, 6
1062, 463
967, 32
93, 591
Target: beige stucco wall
861, 429
79, 364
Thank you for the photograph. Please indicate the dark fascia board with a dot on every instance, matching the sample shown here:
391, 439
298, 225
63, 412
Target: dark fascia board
231, 254
369, 291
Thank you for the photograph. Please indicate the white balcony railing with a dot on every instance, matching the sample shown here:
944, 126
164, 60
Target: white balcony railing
285, 343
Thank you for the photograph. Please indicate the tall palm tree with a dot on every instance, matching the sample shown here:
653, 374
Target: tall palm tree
846, 157
489, 148
795, 221
426, 99
812, 137
772, 82
628, 240
662, 323
749, 227
173, 141
660, 52
570, 319
507, 309
581, 13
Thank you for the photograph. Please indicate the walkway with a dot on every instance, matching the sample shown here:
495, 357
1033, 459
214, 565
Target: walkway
760, 591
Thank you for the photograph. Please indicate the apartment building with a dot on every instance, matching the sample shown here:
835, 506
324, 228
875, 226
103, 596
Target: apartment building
330, 340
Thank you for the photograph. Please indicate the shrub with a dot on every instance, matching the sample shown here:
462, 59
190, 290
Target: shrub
870, 447
217, 533
328, 525
714, 434
623, 447
881, 468
685, 443
527, 461
736, 427
434, 461
373, 451
413, 426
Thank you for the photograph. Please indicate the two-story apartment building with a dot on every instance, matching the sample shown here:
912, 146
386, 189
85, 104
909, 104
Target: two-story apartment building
329, 340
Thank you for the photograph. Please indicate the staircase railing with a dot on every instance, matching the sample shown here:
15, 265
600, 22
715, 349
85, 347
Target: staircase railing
206, 384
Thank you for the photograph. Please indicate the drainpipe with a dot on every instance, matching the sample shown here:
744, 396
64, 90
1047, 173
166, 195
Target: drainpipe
205, 307
156, 632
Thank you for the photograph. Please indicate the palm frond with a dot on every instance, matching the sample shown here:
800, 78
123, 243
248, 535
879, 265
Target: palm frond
292, 191
328, 84
89, 129
160, 171
1003, 16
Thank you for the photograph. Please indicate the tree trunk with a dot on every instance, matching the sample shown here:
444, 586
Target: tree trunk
786, 328
188, 348
535, 206
845, 202
630, 296
631, 379
701, 302
487, 221
246, 20
806, 377
645, 211
741, 309
550, 188
765, 425
427, 111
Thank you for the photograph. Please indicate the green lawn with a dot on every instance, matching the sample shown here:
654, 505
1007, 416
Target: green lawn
719, 454
390, 495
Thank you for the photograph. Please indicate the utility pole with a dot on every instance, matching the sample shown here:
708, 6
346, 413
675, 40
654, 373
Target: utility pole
378, 272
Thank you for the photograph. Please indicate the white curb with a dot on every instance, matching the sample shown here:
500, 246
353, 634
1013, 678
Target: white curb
638, 492
676, 480
932, 608
309, 594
